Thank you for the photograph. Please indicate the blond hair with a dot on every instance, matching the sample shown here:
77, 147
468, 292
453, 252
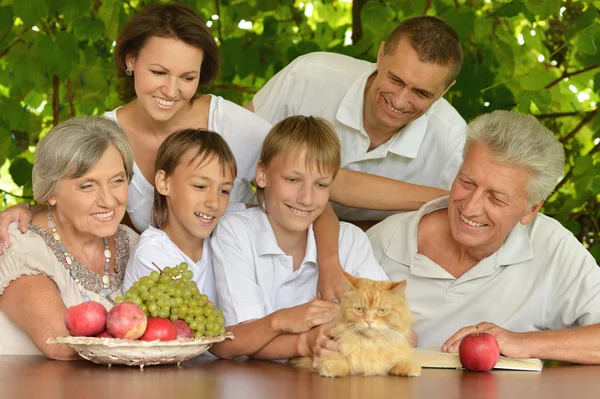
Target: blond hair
71, 148
208, 145
297, 133
521, 139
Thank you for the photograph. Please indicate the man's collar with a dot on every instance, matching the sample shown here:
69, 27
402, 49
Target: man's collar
350, 113
403, 246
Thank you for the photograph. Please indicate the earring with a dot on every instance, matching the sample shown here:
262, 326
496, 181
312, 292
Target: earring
129, 72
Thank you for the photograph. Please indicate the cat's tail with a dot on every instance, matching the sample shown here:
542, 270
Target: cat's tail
302, 362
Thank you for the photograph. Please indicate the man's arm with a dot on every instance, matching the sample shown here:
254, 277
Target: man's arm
327, 233
576, 345
377, 193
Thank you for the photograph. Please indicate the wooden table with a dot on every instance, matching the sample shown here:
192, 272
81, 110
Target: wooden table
37, 378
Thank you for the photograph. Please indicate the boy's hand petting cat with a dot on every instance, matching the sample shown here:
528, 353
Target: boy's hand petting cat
317, 341
330, 285
302, 318
16, 213
512, 344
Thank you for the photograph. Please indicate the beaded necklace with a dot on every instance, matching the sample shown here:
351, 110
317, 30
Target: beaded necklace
105, 291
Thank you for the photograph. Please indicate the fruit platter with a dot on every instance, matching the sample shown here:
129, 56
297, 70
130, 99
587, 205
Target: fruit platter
163, 318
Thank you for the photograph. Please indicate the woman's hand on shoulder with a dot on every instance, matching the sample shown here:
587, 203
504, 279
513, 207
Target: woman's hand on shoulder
17, 213
302, 318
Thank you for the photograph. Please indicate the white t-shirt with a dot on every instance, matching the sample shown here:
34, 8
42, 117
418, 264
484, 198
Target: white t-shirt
427, 151
241, 129
156, 246
540, 278
255, 277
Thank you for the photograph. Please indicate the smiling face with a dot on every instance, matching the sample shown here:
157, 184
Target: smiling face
403, 89
166, 75
295, 194
197, 196
93, 204
487, 200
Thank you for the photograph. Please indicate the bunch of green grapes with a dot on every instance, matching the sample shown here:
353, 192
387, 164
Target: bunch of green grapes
557, 28
173, 294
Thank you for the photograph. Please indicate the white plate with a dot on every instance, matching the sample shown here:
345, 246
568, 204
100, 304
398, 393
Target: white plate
138, 353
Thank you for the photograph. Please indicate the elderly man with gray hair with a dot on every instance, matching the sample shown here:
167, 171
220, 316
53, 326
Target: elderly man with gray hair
484, 258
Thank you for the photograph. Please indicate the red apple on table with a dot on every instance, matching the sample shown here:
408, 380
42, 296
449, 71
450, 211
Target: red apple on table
479, 351
159, 329
104, 334
182, 329
86, 319
126, 320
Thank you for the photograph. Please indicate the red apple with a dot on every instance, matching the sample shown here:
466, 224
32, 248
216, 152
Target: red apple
104, 334
182, 329
126, 320
479, 351
86, 319
159, 329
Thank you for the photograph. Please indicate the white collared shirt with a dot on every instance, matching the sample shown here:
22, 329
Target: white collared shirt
254, 277
243, 131
427, 151
540, 278
155, 246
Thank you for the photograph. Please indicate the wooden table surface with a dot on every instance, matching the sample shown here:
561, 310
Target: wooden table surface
36, 377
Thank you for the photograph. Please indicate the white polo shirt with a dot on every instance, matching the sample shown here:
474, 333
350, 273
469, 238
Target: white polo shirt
255, 277
540, 278
241, 129
427, 151
156, 246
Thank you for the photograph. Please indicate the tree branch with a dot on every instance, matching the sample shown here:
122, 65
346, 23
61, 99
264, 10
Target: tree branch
2, 54
219, 27
567, 176
55, 100
427, 5
357, 7
560, 114
15, 195
569, 74
70, 97
581, 124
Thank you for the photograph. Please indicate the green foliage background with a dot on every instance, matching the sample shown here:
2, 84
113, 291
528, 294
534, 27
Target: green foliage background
534, 56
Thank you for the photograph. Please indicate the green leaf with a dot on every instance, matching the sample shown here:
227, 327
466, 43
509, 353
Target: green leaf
31, 11
582, 165
597, 82
6, 19
375, 14
67, 54
542, 99
20, 170
586, 44
544, 8
511, 9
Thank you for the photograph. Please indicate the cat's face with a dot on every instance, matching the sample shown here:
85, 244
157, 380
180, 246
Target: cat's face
374, 307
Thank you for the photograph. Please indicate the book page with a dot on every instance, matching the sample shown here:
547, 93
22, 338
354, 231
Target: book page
433, 357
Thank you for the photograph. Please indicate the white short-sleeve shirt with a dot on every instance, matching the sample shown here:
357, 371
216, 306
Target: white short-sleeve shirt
241, 129
427, 151
540, 278
155, 246
254, 277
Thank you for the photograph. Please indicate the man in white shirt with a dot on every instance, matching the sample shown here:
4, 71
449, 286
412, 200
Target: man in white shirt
483, 258
390, 117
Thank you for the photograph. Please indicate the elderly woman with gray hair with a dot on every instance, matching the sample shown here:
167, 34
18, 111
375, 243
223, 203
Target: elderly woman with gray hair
75, 252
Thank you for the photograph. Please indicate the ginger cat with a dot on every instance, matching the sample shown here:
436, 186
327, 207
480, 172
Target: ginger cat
372, 332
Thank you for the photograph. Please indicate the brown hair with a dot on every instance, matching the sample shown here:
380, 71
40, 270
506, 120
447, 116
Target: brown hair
174, 20
208, 145
296, 133
434, 40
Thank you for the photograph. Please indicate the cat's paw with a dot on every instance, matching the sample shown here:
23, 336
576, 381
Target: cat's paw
406, 369
332, 368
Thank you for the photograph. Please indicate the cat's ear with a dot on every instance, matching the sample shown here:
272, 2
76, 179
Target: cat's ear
398, 287
349, 281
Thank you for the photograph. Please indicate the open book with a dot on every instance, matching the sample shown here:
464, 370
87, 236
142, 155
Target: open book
433, 357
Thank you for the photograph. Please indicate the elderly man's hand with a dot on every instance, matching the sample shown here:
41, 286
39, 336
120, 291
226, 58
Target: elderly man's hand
330, 285
512, 344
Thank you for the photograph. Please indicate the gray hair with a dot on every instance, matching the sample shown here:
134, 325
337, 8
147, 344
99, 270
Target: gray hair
521, 139
71, 148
